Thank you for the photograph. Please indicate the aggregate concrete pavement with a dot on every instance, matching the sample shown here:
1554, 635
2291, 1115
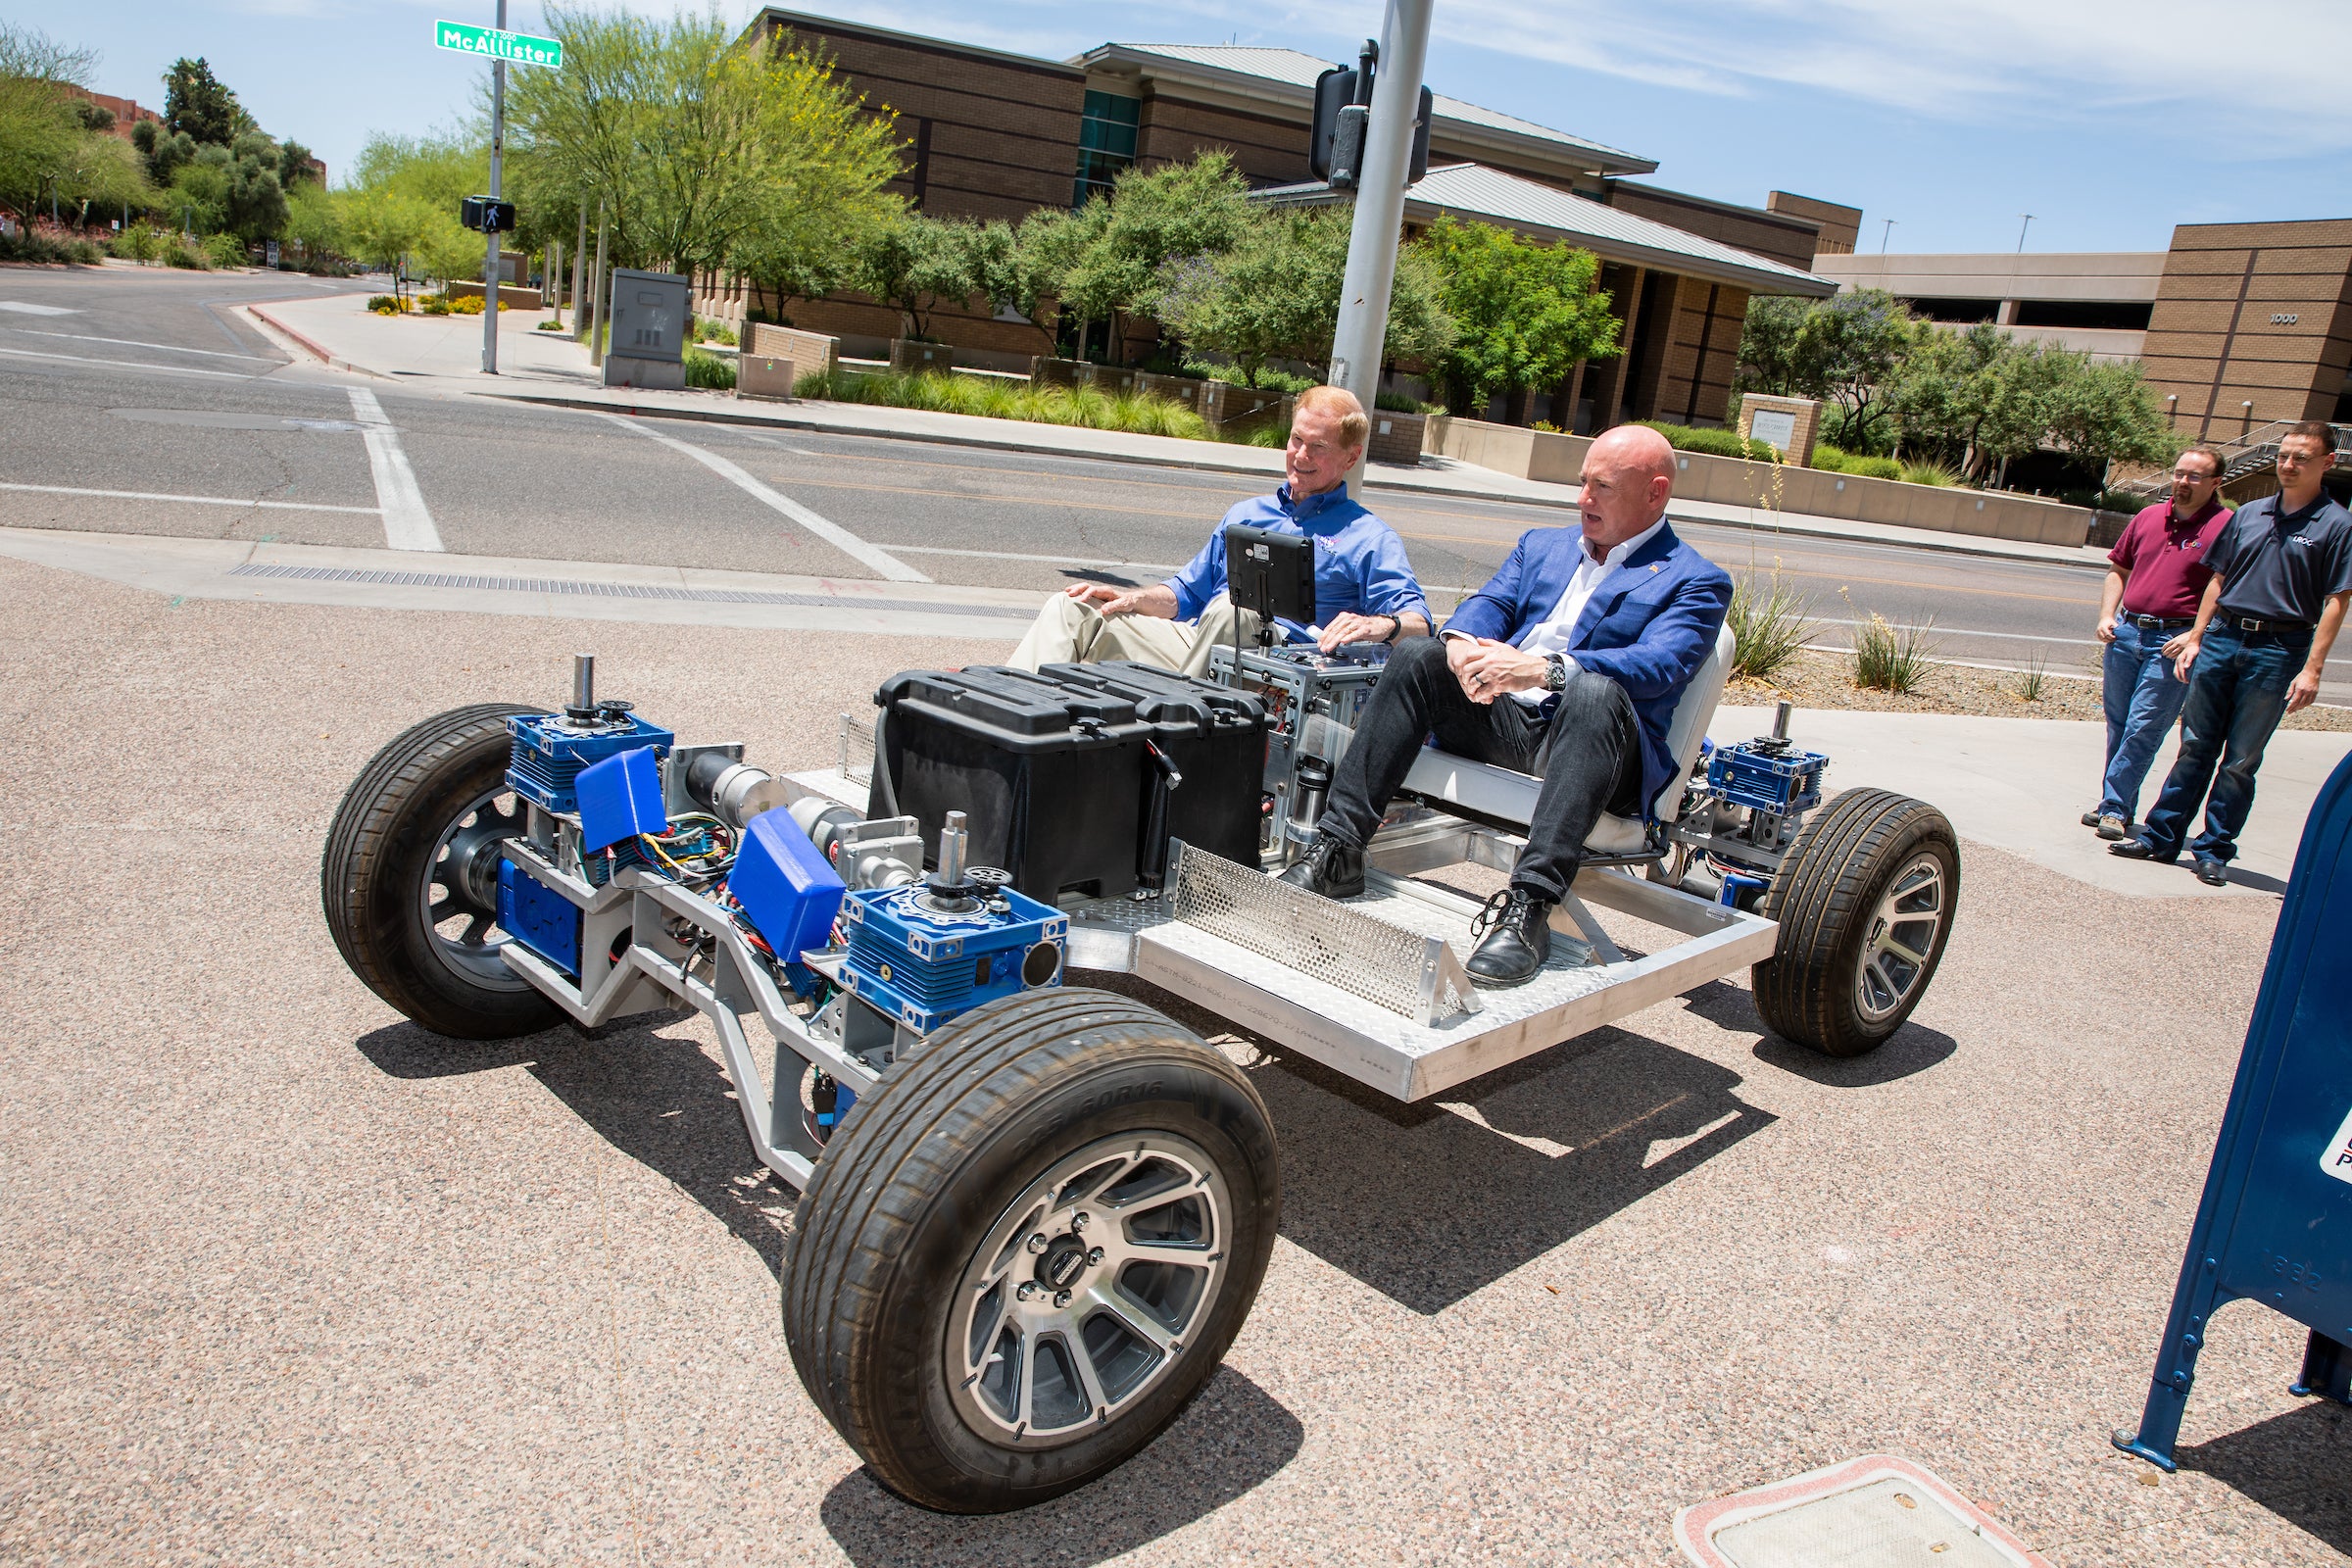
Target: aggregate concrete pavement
283, 1278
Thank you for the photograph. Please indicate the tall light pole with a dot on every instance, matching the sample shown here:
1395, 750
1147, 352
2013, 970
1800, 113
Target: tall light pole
491, 264
1884, 233
1355, 345
2021, 229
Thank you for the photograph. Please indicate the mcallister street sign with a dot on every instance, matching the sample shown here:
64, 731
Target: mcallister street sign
519, 47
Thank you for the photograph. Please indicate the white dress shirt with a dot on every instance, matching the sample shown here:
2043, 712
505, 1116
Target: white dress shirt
1552, 634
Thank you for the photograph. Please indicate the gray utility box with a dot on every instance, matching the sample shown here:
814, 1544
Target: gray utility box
650, 314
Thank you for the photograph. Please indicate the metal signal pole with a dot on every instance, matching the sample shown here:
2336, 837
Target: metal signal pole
1363, 325
492, 263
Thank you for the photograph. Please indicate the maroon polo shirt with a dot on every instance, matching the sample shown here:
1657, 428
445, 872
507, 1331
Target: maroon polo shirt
2164, 560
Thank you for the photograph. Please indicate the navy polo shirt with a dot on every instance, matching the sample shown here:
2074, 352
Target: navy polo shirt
2283, 566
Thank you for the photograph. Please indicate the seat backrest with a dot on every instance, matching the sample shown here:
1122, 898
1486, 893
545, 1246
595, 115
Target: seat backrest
1691, 716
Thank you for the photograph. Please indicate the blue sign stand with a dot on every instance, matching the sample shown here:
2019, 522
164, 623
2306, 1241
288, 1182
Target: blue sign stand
2274, 1225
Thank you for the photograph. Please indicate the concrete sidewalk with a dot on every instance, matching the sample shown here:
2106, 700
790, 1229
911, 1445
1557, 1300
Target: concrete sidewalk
444, 355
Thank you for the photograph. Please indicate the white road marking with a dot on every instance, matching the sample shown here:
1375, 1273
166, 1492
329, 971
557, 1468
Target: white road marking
27, 308
1051, 560
194, 501
408, 526
832, 533
129, 364
139, 343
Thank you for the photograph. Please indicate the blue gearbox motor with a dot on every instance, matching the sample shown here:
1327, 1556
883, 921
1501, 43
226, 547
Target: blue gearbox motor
551, 749
1767, 774
922, 955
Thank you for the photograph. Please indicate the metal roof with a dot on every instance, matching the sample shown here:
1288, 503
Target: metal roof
1472, 190
1291, 69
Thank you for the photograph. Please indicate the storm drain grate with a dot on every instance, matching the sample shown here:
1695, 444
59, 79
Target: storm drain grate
610, 590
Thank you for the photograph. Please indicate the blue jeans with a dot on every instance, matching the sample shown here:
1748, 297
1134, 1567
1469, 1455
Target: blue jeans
2144, 698
2236, 696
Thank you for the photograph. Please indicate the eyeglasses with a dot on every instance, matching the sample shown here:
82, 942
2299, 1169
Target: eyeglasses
2198, 476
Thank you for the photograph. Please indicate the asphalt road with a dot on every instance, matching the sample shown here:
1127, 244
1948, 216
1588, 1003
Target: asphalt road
146, 388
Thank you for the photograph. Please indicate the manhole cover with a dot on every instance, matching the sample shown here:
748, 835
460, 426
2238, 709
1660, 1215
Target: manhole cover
1872, 1512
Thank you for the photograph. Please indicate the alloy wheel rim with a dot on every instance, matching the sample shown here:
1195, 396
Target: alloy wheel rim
1903, 933
457, 900
1086, 1292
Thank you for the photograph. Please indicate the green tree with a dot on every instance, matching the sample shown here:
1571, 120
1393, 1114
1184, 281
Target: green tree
294, 165
712, 151
1847, 350
1767, 344
104, 171
1274, 295
1524, 313
196, 104
39, 129
1107, 259
2108, 414
166, 152
1003, 272
914, 264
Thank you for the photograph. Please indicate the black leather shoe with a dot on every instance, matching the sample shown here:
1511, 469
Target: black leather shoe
1332, 868
2138, 850
2212, 872
1516, 927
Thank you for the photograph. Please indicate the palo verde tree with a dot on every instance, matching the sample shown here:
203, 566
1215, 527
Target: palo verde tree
40, 131
709, 151
1524, 313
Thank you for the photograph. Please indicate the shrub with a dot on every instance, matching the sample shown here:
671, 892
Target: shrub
385, 304
710, 372
2126, 500
1889, 658
551, 326
433, 305
179, 253
47, 244
1934, 474
990, 397
709, 331
1715, 443
1770, 622
224, 250
1835, 460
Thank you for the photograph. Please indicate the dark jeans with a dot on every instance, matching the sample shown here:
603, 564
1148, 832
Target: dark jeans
1589, 753
2144, 698
2236, 696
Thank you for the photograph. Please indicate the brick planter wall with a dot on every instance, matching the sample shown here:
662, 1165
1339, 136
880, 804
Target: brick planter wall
909, 356
811, 351
1395, 437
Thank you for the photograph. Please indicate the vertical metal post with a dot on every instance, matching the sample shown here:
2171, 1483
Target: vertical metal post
579, 261
491, 264
597, 303
1355, 346
555, 278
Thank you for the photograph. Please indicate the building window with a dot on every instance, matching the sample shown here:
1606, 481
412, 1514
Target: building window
1106, 143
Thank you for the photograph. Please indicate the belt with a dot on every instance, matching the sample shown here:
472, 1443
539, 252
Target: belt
2159, 622
2281, 628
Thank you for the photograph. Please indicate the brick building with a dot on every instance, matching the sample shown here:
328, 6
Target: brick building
994, 136
2252, 323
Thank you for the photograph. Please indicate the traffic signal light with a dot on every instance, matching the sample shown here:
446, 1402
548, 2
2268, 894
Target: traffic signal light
1343, 117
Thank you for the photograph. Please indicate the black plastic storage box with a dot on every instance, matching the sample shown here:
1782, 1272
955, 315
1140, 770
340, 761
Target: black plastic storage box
1054, 776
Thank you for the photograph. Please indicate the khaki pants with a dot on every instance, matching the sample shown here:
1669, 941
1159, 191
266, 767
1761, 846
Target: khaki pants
1070, 632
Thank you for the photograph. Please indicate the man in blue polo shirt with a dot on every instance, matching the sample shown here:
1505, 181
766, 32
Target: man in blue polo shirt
2281, 577
1365, 591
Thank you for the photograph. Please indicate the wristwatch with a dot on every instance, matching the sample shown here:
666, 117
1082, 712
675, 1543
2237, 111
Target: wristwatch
1556, 673
1395, 628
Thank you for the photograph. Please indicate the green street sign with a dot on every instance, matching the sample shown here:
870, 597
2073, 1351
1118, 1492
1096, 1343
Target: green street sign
518, 48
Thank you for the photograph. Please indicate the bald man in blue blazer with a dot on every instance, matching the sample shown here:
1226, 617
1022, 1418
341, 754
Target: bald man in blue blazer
1567, 663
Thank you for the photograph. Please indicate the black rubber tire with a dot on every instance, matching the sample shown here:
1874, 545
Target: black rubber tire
918, 1174
377, 856
1826, 896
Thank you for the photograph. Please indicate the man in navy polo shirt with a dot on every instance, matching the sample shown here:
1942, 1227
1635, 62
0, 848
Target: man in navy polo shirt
2150, 601
2281, 577
1365, 591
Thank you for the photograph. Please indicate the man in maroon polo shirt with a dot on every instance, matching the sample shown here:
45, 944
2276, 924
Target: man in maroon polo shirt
2150, 601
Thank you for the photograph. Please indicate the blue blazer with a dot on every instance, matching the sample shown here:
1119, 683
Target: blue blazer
1648, 626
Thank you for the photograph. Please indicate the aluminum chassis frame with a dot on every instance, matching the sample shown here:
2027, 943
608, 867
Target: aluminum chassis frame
1120, 936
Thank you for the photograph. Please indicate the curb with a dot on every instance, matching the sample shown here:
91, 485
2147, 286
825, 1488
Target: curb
309, 345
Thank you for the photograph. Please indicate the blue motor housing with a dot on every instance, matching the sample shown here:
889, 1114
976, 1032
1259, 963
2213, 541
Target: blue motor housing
551, 749
1767, 775
541, 920
923, 964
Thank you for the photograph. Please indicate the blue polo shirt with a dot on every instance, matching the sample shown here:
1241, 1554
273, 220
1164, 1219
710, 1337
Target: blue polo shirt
1359, 561
2282, 566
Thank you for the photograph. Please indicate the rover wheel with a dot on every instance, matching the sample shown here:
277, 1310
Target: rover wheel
1865, 901
410, 878
1029, 1247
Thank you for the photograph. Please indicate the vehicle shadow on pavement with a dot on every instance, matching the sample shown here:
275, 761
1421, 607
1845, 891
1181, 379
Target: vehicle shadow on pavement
1914, 1047
657, 1099
1231, 1440
2298, 1465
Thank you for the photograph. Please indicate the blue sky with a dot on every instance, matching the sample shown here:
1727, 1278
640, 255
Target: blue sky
2109, 119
